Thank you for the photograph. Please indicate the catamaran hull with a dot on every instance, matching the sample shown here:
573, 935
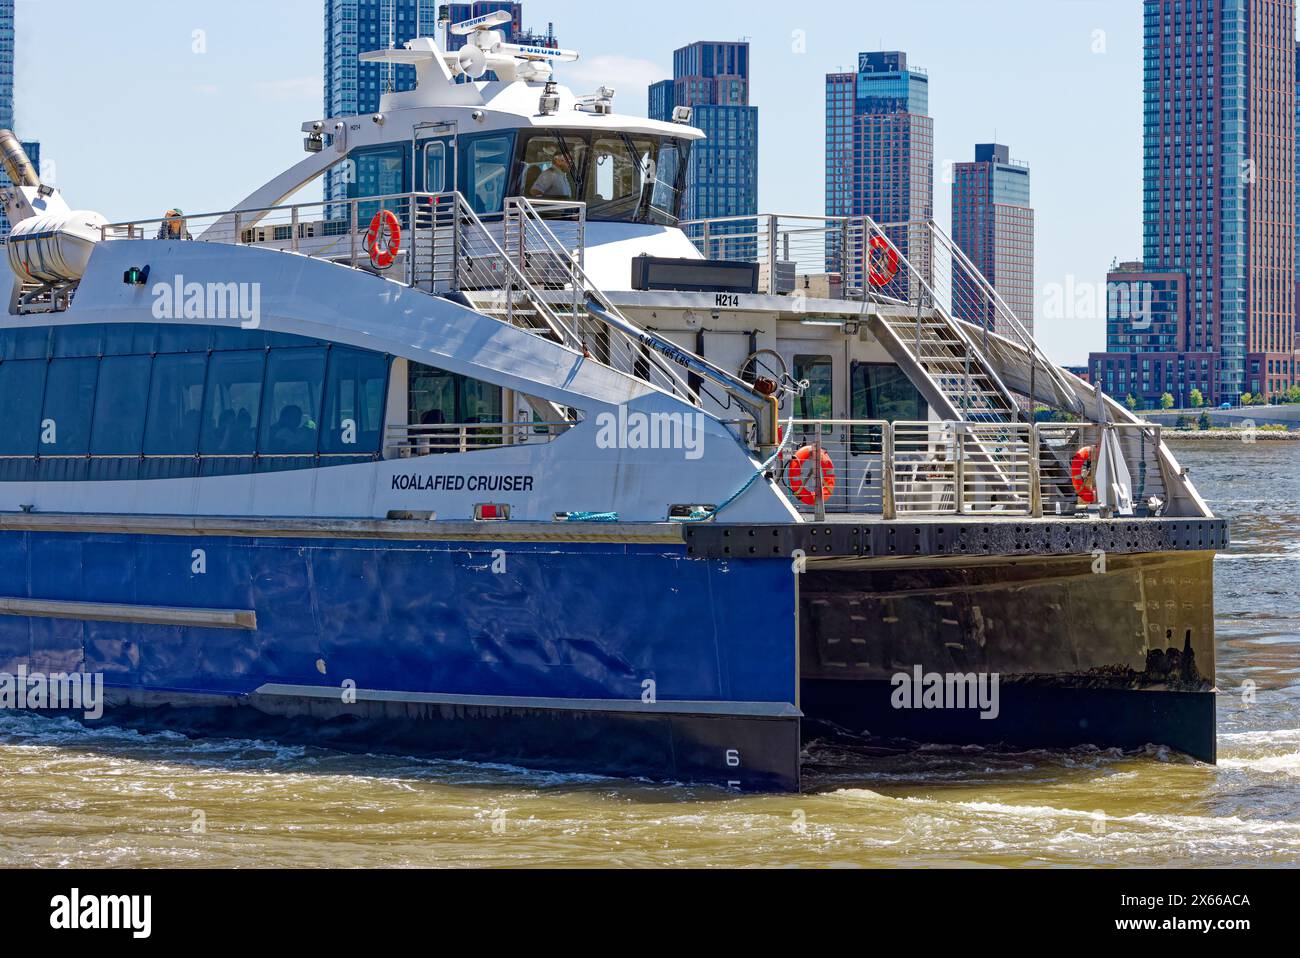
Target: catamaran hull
592, 653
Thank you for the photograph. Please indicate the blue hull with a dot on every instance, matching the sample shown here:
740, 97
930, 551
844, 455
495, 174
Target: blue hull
602, 657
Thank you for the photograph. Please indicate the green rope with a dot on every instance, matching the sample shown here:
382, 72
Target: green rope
701, 515
591, 517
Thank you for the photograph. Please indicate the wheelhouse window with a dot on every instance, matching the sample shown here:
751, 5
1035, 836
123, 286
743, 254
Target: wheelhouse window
487, 171
551, 166
376, 172
435, 167
379, 172
622, 177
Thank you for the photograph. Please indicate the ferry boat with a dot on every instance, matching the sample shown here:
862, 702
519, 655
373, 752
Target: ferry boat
480, 451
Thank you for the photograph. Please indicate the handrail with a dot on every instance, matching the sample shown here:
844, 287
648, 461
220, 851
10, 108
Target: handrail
1026, 337
582, 287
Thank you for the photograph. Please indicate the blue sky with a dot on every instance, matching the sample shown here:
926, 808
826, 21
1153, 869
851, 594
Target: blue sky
134, 121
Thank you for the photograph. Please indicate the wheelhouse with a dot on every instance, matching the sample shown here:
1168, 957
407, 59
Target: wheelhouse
621, 176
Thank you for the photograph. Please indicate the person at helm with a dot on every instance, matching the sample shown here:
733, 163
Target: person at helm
556, 182
173, 227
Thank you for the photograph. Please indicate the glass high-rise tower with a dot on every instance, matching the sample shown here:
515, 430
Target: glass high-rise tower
1220, 179
713, 79
993, 224
1219, 207
880, 143
353, 27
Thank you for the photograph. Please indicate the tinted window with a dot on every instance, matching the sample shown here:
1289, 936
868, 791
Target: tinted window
22, 388
192, 413
233, 403
120, 406
488, 165
355, 394
78, 340
379, 173
435, 167
291, 401
818, 400
69, 397
27, 343
128, 339
439, 397
883, 391
184, 339
175, 401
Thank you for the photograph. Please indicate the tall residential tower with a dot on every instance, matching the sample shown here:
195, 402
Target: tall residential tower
880, 143
993, 224
1219, 203
353, 27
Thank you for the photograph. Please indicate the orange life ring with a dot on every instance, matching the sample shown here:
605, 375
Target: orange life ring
384, 253
808, 493
1081, 475
882, 261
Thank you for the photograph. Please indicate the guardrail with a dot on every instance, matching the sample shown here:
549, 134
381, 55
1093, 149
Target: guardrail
411, 441
897, 264
871, 467
551, 265
519, 270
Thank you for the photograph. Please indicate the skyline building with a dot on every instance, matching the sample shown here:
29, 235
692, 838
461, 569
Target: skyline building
353, 27
8, 118
1219, 198
880, 145
712, 78
993, 224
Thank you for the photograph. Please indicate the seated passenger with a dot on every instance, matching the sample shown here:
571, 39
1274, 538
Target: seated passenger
288, 434
225, 431
243, 438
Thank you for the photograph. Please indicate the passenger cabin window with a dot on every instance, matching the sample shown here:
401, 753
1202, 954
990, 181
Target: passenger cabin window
167, 401
291, 402
439, 397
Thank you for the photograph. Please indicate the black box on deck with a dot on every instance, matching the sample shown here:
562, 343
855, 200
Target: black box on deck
694, 275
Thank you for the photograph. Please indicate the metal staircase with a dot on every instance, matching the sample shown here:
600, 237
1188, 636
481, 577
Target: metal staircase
938, 355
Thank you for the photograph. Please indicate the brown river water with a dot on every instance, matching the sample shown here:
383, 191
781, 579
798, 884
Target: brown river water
113, 798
